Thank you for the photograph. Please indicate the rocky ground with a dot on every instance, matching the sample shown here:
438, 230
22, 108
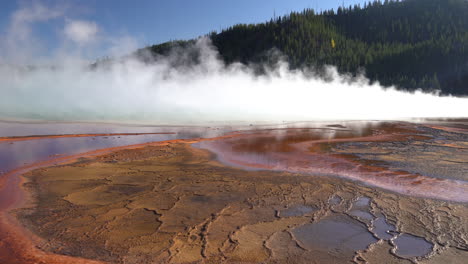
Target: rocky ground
175, 203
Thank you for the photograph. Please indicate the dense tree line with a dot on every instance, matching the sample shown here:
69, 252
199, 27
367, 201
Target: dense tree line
411, 44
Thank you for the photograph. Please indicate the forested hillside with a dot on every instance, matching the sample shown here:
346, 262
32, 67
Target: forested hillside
411, 44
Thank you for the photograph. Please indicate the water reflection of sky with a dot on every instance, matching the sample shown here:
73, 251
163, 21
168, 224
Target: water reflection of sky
10, 129
16, 154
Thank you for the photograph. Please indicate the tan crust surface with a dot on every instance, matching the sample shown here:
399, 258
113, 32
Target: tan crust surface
174, 203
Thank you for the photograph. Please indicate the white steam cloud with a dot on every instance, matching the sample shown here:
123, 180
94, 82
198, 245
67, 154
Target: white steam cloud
131, 91
81, 32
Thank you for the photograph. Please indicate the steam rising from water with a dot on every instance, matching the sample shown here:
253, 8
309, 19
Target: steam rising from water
131, 91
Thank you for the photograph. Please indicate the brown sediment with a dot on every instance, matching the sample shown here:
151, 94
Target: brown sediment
168, 202
172, 203
17, 245
310, 154
266, 140
463, 129
33, 137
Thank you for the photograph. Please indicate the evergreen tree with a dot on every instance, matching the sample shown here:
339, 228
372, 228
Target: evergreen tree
410, 44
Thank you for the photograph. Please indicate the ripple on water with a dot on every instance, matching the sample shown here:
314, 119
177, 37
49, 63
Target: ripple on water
409, 246
336, 233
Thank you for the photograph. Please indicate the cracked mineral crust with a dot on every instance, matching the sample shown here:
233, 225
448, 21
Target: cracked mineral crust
175, 203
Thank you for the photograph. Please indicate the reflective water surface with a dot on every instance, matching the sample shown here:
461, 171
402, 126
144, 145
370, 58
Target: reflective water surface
14, 154
336, 233
297, 210
374, 153
409, 246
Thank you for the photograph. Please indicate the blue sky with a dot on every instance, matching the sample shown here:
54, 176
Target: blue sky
155, 21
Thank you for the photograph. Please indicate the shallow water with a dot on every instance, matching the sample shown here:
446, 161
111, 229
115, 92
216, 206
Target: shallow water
338, 152
297, 210
361, 209
335, 200
19, 153
409, 246
338, 234
362, 202
382, 229
280, 140
16, 129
